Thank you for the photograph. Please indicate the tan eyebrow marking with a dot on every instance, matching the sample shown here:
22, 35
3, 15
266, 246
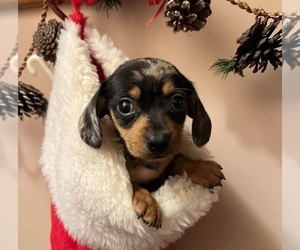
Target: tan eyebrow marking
135, 93
168, 88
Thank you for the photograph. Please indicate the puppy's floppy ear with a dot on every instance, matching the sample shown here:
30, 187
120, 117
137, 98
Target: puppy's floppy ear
89, 122
201, 126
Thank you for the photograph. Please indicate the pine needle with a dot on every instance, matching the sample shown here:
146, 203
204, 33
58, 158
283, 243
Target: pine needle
224, 66
108, 5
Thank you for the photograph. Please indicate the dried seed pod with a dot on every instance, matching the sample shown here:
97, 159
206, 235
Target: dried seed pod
8, 99
257, 46
291, 38
45, 39
31, 101
187, 15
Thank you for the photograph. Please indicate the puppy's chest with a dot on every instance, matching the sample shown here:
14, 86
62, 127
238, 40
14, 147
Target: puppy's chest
142, 172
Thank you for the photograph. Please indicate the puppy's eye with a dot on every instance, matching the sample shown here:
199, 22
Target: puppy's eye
178, 102
126, 107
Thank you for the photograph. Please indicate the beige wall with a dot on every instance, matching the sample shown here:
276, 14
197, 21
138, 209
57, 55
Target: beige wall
246, 116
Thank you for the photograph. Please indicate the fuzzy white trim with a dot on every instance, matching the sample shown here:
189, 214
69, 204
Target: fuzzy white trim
91, 188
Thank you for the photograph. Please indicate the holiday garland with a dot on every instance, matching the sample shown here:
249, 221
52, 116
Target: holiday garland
258, 46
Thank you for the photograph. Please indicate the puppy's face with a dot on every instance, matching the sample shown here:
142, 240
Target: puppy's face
148, 100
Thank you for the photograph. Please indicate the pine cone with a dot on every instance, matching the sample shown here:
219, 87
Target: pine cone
45, 39
31, 101
257, 47
291, 38
8, 99
187, 15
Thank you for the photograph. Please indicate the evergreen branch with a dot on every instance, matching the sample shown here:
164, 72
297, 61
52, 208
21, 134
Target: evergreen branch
224, 66
108, 4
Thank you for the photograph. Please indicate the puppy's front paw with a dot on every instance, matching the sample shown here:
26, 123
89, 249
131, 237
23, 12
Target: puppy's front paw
146, 207
207, 173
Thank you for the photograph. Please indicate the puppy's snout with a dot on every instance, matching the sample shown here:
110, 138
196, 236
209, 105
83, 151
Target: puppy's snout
158, 142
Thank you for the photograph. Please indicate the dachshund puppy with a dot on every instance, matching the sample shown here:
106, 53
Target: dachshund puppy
148, 100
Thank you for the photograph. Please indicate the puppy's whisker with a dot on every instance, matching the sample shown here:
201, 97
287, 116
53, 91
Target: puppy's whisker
137, 166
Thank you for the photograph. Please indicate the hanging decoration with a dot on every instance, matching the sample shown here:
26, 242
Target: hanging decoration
31, 101
8, 100
8, 92
257, 47
291, 40
187, 15
45, 39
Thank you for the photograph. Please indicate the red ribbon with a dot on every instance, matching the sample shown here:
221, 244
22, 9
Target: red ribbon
77, 16
162, 6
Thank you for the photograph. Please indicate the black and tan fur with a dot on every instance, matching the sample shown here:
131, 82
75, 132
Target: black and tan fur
148, 100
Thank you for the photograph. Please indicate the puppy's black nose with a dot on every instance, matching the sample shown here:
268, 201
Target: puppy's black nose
158, 142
